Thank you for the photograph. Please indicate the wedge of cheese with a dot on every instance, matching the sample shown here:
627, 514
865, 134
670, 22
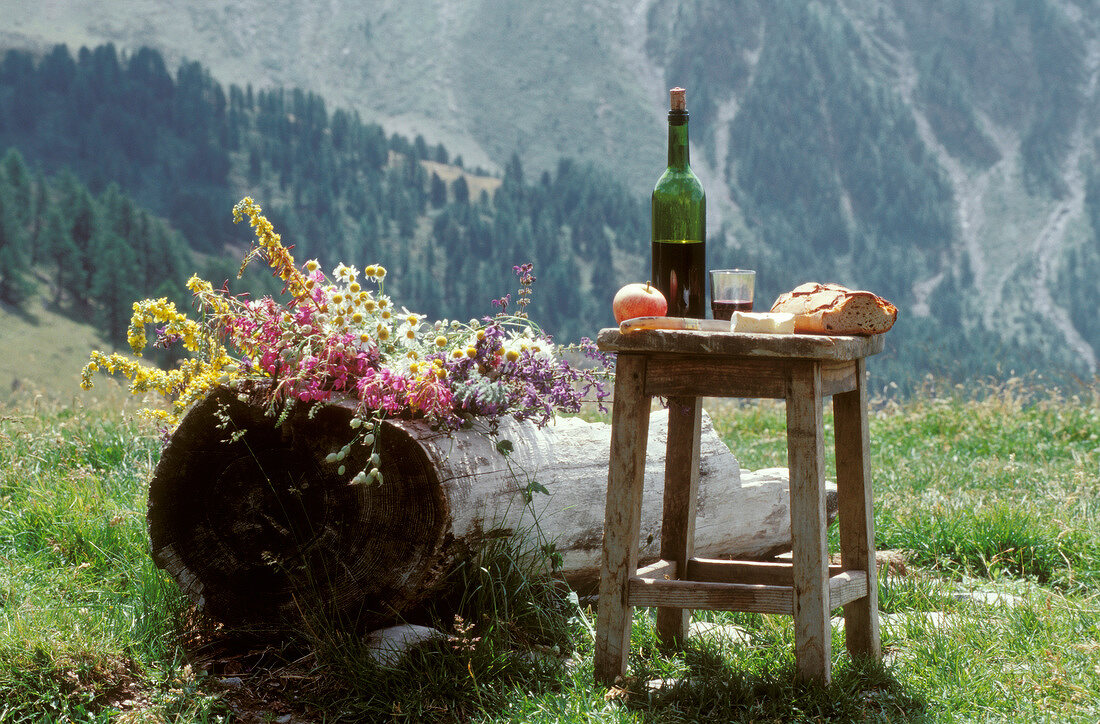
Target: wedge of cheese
762, 322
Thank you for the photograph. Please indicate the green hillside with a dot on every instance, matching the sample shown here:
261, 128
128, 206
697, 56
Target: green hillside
836, 144
936, 152
42, 353
338, 189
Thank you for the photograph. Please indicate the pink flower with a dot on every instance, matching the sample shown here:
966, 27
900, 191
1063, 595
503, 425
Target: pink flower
433, 398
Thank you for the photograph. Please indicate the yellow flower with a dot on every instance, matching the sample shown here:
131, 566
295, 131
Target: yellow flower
197, 285
441, 341
356, 318
511, 355
386, 314
412, 320
269, 246
383, 333
312, 265
471, 351
410, 333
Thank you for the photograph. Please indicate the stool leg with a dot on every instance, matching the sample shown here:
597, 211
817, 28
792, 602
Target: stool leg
856, 515
678, 516
622, 517
806, 460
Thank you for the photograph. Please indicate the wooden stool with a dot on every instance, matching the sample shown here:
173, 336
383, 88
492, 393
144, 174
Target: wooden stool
683, 366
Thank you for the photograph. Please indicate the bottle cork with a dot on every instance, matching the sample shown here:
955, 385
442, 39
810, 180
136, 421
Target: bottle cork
677, 99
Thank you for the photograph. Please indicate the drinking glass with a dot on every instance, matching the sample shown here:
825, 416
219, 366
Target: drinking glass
731, 291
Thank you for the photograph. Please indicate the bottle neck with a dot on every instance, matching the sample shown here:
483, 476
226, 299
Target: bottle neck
678, 139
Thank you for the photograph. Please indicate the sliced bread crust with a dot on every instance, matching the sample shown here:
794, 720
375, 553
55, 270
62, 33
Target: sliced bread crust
836, 309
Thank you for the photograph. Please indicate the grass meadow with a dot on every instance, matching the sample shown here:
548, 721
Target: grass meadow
988, 500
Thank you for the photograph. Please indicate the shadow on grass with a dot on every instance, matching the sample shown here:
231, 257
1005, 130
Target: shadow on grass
22, 314
470, 678
714, 689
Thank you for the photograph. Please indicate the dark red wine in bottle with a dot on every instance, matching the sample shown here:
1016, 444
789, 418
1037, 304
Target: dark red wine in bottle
679, 216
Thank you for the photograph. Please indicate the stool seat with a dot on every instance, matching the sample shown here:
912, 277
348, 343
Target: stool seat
683, 366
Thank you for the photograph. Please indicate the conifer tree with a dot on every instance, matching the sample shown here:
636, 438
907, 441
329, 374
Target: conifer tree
15, 174
16, 282
461, 190
114, 283
438, 194
58, 252
79, 217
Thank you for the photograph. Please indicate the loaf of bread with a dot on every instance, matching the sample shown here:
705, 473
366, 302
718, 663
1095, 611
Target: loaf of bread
835, 309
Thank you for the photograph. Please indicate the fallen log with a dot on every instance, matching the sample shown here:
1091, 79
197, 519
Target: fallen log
256, 527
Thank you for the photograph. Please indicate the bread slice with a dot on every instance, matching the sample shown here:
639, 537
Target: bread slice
835, 309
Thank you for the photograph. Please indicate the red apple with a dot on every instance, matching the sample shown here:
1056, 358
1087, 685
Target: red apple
638, 300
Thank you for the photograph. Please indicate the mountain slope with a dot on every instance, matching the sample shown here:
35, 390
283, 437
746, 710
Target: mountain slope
937, 151
485, 78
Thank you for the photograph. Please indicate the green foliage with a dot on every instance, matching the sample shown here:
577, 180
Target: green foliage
998, 484
1058, 50
339, 189
15, 238
830, 174
995, 540
97, 255
950, 111
830, 164
713, 62
714, 685
983, 490
508, 625
922, 349
836, 184
1080, 268
1021, 62
87, 623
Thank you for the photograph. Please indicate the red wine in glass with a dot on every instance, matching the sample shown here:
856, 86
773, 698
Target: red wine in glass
724, 308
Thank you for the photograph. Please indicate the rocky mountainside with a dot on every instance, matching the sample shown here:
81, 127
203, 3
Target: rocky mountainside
942, 152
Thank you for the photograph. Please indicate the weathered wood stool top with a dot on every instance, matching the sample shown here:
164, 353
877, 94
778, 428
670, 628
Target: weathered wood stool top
684, 366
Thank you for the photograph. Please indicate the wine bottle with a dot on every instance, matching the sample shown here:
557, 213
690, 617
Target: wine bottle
679, 216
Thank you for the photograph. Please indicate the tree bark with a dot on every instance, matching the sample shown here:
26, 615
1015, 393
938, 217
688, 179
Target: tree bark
258, 529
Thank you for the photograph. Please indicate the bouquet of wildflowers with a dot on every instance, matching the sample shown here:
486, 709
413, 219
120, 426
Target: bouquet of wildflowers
342, 337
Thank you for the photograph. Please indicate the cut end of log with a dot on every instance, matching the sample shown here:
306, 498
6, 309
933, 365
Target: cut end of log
260, 530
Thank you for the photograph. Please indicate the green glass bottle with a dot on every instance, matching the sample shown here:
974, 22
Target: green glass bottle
679, 215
